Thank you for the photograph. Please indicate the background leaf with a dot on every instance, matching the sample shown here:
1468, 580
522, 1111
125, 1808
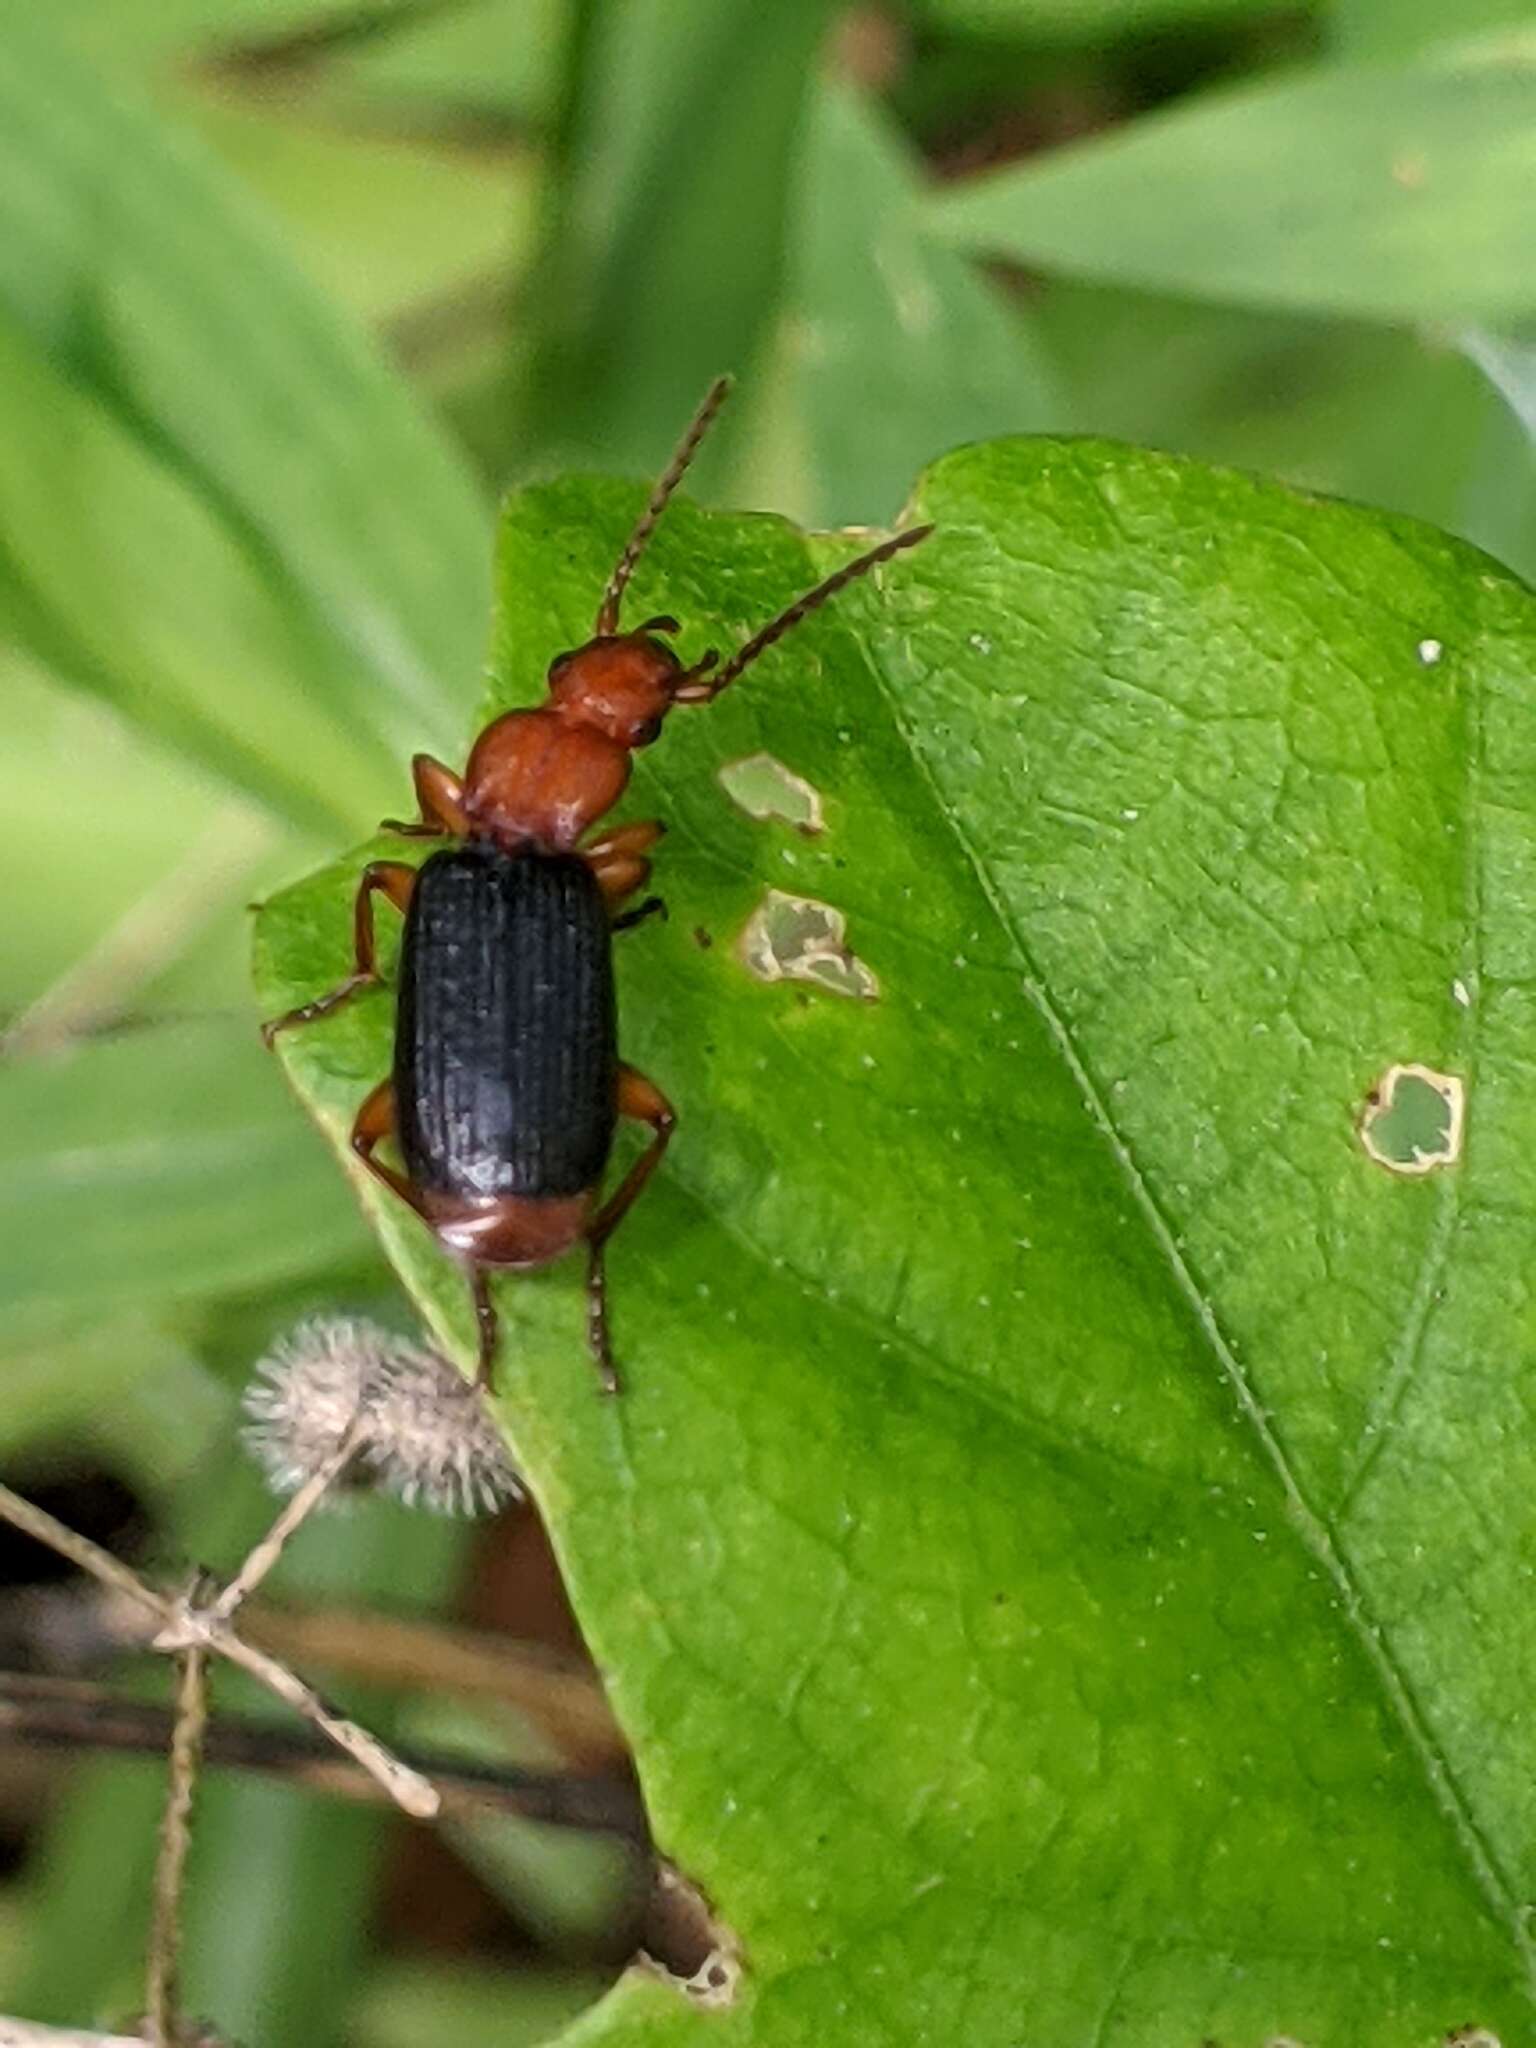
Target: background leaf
151, 1164
890, 345
641, 300
1044, 1323
1409, 201
299, 512
1398, 27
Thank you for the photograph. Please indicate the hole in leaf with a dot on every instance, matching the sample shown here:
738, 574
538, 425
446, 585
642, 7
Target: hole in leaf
1473, 2037
685, 1944
795, 938
1413, 1119
764, 788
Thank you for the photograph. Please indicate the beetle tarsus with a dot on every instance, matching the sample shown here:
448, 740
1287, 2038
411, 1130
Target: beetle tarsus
321, 1006
488, 1326
653, 906
598, 1341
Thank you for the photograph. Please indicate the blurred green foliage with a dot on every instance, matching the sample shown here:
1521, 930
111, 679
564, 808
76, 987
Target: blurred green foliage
290, 290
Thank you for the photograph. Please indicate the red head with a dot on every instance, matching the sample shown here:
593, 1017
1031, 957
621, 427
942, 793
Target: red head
547, 776
621, 683
624, 684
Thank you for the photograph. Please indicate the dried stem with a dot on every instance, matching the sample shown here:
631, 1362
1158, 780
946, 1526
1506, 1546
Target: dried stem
296, 1510
184, 1627
407, 1787
56, 1713
55, 1629
561, 1696
80, 1550
163, 1973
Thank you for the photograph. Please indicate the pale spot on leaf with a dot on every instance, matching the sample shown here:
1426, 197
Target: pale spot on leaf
795, 938
1413, 1119
764, 788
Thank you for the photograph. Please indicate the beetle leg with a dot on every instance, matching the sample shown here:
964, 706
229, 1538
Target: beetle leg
375, 1122
618, 862
649, 908
391, 878
440, 796
622, 877
487, 1324
623, 839
644, 1101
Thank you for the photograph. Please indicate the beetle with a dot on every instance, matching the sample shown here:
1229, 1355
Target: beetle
507, 1085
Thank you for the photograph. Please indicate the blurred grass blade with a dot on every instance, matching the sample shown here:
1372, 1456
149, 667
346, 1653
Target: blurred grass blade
1398, 28
892, 347
146, 834
1510, 367
123, 580
1092, 23
393, 223
1396, 191
162, 30
302, 475
664, 248
497, 58
1035, 1528
1318, 402
155, 1163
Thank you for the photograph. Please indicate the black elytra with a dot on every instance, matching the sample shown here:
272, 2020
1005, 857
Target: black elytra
506, 1052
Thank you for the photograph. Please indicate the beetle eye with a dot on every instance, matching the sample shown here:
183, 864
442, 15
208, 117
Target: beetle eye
646, 732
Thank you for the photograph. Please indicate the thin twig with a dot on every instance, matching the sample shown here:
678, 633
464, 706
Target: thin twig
182, 1627
407, 1787
55, 1713
298, 1507
561, 1696
80, 1550
72, 1629
162, 1977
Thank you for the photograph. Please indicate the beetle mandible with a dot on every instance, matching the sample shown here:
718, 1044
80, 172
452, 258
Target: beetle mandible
507, 1084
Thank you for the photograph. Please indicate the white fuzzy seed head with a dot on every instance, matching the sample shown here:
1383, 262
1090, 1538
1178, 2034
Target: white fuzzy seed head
426, 1435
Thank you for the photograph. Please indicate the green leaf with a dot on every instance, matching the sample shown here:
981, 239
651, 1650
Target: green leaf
1410, 200
155, 1163
1062, 1551
302, 550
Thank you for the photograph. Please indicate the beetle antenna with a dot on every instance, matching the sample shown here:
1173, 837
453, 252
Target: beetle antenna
666, 484
699, 685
